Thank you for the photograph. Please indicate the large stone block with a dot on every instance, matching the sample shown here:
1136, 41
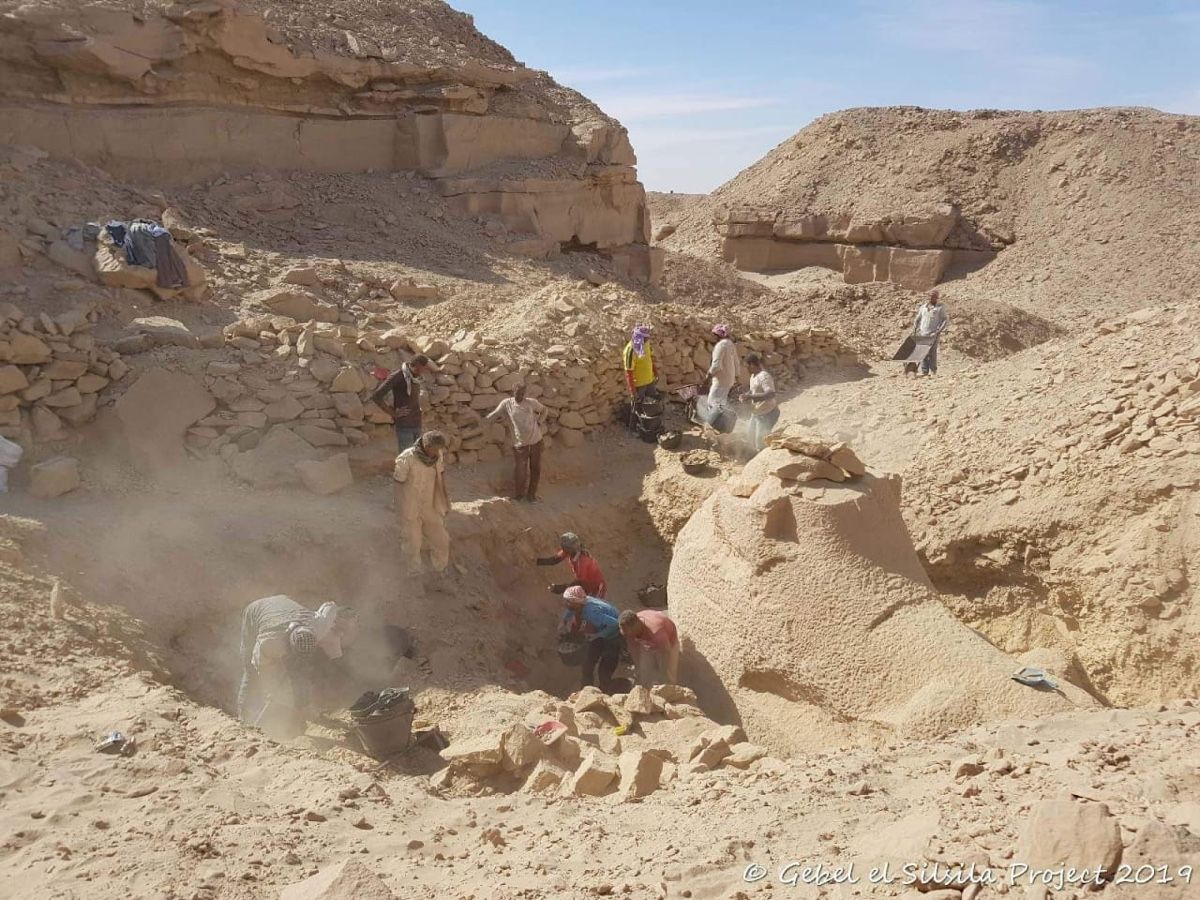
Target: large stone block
54, 477
326, 476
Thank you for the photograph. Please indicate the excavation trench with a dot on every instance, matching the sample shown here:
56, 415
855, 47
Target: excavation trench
186, 561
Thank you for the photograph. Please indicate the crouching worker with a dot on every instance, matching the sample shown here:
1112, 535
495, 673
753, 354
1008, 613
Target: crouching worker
654, 645
277, 646
583, 566
422, 501
596, 621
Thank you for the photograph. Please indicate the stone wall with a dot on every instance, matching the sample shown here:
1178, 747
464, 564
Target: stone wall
314, 380
53, 374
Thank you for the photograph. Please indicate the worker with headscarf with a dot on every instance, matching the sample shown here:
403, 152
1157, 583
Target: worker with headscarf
583, 565
638, 360
596, 621
722, 372
276, 649
422, 501
653, 642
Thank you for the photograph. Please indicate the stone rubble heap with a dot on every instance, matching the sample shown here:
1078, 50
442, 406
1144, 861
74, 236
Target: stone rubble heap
666, 737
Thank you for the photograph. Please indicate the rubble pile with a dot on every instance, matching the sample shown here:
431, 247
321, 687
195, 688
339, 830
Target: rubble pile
624, 746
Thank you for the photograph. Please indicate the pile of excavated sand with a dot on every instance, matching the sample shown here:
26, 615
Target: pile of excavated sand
803, 604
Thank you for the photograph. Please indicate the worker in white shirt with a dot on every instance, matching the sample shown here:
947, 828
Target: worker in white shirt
722, 372
931, 320
523, 415
762, 395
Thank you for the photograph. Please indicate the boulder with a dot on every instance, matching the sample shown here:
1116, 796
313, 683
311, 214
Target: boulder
283, 410
849, 554
741, 755
12, 380
91, 383
46, 425
272, 463
349, 406
28, 350
639, 700
322, 437
326, 476
1068, 832
162, 331
806, 468
545, 778
407, 289
112, 270
674, 693
54, 477
571, 419
323, 369
64, 369
845, 458
66, 397
155, 413
594, 777
302, 275
295, 304
520, 749
348, 380
481, 756
350, 878
640, 774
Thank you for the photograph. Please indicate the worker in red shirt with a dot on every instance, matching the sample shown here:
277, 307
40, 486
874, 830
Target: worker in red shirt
653, 643
587, 572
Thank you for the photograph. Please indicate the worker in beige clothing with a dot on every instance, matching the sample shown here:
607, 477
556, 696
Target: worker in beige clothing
523, 415
422, 501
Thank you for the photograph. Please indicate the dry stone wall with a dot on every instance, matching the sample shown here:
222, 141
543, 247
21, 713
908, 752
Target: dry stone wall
313, 380
53, 373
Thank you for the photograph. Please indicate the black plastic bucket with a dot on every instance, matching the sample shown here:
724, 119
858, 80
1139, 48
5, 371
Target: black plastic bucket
385, 733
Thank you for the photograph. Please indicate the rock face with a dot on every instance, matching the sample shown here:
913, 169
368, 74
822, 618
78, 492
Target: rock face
912, 250
177, 93
805, 605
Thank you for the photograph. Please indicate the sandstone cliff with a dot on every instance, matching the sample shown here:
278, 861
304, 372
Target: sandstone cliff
168, 93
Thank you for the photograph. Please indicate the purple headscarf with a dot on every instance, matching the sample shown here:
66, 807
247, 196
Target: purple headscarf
721, 331
640, 335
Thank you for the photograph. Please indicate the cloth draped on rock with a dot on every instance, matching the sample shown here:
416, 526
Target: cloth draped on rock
149, 245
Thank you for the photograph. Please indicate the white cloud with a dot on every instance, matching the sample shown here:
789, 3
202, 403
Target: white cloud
979, 25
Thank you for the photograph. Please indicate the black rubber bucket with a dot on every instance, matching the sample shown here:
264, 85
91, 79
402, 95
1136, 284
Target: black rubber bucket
571, 652
383, 730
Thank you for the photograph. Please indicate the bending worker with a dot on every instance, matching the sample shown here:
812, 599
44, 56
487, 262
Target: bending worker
422, 501
722, 372
653, 643
638, 360
596, 620
277, 645
583, 565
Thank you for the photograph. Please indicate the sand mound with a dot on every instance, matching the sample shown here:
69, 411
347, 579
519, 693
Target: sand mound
809, 604
1055, 210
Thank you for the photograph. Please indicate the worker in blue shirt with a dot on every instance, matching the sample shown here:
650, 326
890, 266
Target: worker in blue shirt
597, 620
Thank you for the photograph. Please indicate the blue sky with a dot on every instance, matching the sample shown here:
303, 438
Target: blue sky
708, 86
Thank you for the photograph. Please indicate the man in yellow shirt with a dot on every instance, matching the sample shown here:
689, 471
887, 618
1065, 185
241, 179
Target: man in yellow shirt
638, 359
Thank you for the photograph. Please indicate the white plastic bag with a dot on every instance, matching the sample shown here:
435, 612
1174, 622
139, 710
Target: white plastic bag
10, 455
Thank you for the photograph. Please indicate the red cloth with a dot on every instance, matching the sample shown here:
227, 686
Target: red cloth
587, 573
662, 630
